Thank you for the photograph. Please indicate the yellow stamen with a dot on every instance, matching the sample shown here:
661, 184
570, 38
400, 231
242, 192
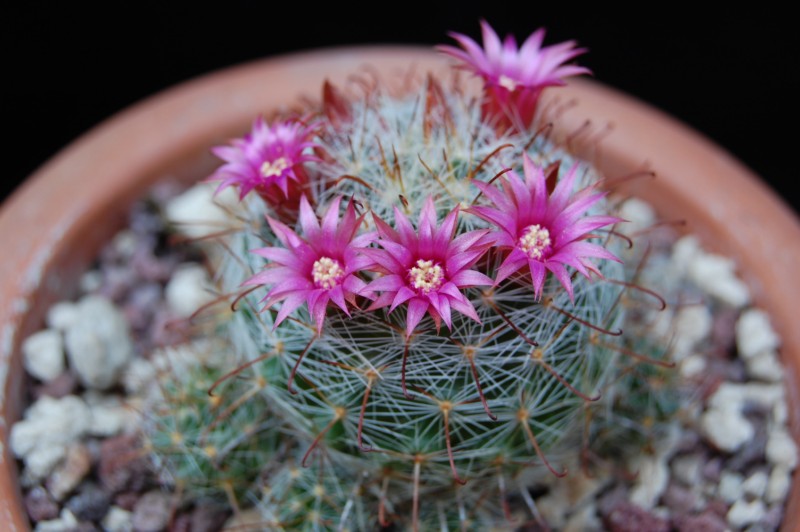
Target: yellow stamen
274, 168
426, 276
327, 272
535, 241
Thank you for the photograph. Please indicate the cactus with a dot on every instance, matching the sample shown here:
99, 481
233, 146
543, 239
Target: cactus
436, 314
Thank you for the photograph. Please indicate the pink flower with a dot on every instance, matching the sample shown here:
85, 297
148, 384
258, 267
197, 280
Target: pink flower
268, 160
514, 78
427, 268
319, 268
546, 232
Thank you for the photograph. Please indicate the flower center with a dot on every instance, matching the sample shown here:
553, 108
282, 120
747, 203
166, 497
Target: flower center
274, 168
426, 276
327, 272
507, 83
535, 241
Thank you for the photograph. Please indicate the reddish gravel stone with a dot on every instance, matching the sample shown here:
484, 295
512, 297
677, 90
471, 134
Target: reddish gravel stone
688, 441
610, 499
723, 332
127, 500
140, 305
40, 505
706, 522
718, 507
117, 282
181, 523
712, 470
627, 517
123, 465
63, 385
679, 499
771, 520
149, 267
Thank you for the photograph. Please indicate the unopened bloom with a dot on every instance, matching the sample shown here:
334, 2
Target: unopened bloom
427, 268
320, 267
514, 77
268, 160
546, 232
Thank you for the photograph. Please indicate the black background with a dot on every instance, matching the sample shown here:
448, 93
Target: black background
730, 74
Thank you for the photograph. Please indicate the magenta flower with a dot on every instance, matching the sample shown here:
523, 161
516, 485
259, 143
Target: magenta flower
317, 269
514, 78
546, 232
269, 159
427, 269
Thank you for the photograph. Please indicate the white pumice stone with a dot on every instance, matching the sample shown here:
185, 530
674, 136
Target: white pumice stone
781, 448
61, 315
91, 281
716, 275
756, 484
692, 324
109, 415
118, 520
754, 334
43, 354
687, 469
50, 421
684, 252
692, 366
638, 214
744, 512
189, 289
585, 518
780, 412
730, 486
735, 395
651, 481
98, 344
765, 366
50, 425
138, 375
727, 429
780, 481
198, 212
41, 460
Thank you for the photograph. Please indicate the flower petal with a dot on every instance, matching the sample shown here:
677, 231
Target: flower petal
417, 307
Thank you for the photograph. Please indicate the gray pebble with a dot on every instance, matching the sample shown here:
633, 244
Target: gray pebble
90, 504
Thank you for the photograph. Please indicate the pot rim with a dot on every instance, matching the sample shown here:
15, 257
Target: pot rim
70, 199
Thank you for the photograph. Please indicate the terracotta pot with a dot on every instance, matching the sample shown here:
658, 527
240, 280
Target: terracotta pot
53, 225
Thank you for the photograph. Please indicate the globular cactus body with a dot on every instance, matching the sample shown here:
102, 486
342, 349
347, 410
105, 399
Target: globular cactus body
407, 408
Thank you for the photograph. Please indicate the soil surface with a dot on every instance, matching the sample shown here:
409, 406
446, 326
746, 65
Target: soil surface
726, 466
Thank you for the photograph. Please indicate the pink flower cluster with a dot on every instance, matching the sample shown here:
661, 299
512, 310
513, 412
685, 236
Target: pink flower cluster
514, 77
425, 267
